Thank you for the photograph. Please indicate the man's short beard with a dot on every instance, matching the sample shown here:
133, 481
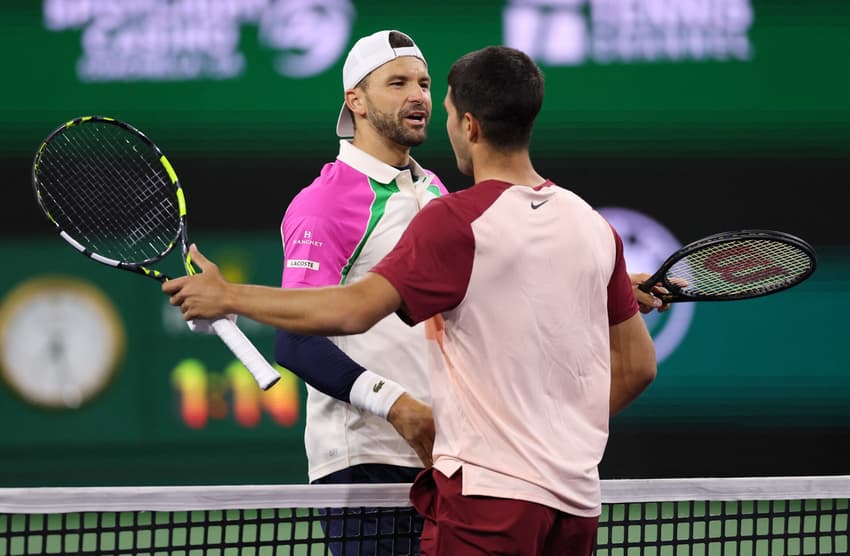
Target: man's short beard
391, 127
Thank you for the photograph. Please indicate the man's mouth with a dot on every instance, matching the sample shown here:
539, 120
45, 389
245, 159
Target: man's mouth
416, 117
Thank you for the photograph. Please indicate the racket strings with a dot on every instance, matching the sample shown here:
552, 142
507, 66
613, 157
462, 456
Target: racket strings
134, 226
97, 213
104, 205
106, 188
741, 267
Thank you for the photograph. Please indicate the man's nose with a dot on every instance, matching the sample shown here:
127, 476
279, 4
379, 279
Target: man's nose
418, 94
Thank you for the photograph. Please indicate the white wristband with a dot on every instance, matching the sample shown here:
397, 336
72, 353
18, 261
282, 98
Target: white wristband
373, 393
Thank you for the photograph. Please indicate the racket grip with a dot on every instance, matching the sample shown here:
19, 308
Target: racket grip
265, 375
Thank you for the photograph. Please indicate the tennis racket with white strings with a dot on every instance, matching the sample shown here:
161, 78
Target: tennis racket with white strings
733, 265
113, 195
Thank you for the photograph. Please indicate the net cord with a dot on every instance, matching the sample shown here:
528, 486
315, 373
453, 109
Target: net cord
224, 497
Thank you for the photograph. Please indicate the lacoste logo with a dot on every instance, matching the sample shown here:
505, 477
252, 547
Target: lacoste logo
302, 263
538, 205
377, 388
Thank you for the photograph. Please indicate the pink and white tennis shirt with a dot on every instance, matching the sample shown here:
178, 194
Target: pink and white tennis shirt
333, 232
525, 283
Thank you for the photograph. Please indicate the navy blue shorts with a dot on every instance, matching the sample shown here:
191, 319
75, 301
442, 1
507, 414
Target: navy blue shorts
375, 531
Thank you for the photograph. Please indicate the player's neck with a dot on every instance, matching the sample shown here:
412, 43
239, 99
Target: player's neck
514, 167
383, 149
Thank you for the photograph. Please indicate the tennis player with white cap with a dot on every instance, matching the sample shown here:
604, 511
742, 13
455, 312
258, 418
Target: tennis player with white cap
333, 232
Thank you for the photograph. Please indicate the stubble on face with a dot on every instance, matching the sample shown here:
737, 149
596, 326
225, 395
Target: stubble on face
392, 126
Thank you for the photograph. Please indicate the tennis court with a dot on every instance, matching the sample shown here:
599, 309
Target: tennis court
656, 517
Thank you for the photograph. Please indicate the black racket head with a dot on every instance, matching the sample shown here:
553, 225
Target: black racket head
109, 191
735, 265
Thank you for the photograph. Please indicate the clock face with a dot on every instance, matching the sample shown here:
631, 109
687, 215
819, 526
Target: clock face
60, 341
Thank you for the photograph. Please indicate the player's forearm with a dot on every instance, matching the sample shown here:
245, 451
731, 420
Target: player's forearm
323, 311
626, 387
414, 421
318, 362
633, 365
630, 376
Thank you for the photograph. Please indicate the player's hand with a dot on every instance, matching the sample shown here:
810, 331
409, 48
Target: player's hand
415, 423
646, 301
203, 295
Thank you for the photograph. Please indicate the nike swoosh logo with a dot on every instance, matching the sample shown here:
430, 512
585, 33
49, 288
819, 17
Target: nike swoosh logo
538, 205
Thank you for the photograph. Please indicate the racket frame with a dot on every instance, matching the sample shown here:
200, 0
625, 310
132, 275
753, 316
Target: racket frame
676, 292
228, 331
140, 267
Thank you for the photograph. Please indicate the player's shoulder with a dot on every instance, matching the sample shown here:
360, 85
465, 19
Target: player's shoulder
462, 205
329, 189
568, 197
333, 175
479, 196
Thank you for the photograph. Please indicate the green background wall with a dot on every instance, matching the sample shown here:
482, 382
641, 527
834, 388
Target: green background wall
756, 367
744, 122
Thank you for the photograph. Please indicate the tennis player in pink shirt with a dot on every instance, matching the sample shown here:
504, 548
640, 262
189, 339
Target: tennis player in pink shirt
535, 334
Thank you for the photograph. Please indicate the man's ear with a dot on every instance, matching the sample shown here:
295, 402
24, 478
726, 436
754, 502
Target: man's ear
355, 101
472, 127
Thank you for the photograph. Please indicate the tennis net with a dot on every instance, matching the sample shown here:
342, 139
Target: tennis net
654, 517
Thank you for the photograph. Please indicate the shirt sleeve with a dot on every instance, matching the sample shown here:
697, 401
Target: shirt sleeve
318, 362
315, 252
622, 303
430, 271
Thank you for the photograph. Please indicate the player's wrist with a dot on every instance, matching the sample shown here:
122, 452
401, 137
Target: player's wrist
373, 393
398, 407
230, 298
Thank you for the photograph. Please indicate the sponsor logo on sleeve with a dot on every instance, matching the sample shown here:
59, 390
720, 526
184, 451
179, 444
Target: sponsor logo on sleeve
302, 263
308, 240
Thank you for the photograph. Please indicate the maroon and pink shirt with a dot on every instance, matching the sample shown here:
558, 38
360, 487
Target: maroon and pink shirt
518, 287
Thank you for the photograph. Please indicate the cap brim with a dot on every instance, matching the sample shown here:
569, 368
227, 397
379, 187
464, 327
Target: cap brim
345, 122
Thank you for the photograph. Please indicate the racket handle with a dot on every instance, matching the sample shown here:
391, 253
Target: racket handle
246, 352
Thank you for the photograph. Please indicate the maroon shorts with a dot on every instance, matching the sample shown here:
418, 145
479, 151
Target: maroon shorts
458, 525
